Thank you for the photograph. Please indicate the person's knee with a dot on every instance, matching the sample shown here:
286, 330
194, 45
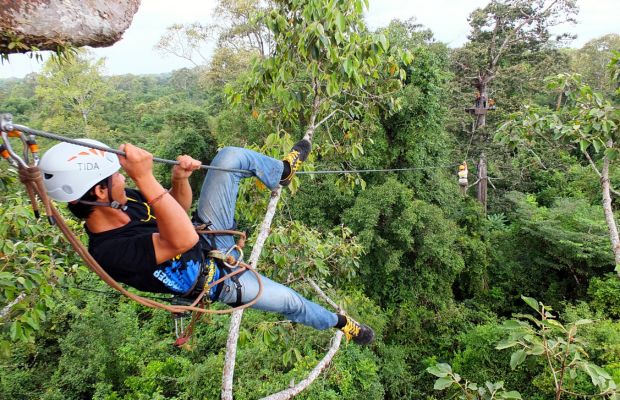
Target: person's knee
292, 303
228, 157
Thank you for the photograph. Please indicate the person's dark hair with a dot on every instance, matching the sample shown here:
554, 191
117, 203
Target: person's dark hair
81, 210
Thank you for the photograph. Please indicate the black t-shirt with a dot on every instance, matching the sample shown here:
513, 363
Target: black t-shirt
128, 255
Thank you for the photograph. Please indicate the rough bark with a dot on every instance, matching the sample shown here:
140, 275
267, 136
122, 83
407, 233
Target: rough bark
47, 24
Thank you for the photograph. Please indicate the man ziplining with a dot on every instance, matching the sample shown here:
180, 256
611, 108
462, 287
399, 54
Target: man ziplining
145, 238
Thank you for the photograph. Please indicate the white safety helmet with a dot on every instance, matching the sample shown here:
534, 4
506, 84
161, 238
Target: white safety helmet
69, 170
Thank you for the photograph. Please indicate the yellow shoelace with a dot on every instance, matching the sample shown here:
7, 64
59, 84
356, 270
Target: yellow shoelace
351, 329
293, 162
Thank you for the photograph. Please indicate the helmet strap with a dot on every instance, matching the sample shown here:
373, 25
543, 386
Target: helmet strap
112, 204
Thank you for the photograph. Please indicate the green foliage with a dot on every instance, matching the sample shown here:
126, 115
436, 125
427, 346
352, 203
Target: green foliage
551, 252
542, 335
402, 252
186, 131
468, 390
296, 251
605, 294
34, 260
410, 245
325, 68
591, 62
72, 92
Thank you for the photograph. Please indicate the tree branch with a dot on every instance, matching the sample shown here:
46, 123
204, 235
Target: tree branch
593, 165
514, 32
7, 309
293, 391
322, 365
323, 295
326, 118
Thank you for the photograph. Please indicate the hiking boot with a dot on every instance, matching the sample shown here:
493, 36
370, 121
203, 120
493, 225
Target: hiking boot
359, 333
294, 159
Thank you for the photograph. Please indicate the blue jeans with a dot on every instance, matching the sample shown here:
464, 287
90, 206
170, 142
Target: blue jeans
218, 198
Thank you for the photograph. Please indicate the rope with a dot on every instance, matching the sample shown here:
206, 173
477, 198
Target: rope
31, 177
61, 138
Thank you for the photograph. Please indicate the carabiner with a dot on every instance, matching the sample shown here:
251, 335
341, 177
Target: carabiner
228, 256
7, 144
29, 143
5, 154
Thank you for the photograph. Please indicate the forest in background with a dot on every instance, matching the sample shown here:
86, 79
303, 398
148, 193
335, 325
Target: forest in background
451, 287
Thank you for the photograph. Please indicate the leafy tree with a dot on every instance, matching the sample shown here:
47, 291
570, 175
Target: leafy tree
504, 32
467, 390
591, 63
403, 234
343, 75
583, 120
72, 93
34, 260
551, 252
564, 352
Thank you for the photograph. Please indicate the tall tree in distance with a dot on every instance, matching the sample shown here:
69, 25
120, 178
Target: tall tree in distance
237, 35
505, 32
72, 92
591, 62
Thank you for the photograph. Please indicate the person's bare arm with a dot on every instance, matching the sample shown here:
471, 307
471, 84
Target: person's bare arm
176, 231
181, 189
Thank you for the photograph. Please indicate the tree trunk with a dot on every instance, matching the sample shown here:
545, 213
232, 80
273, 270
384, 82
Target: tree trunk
481, 119
482, 182
46, 24
609, 213
235, 321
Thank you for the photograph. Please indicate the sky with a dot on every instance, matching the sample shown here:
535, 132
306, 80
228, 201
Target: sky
135, 53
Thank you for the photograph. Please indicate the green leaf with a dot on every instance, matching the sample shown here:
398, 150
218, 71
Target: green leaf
442, 383
612, 154
511, 395
341, 22
517, 358
436, 371
440, 370
531, 302
383, 42
505, 344
511, 324
537, 350
583, 322
583, 145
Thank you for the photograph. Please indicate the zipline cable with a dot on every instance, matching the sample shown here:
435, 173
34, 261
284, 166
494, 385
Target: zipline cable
54, 136
61, 138
362, 171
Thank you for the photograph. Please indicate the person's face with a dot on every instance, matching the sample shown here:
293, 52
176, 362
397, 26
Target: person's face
118, 188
